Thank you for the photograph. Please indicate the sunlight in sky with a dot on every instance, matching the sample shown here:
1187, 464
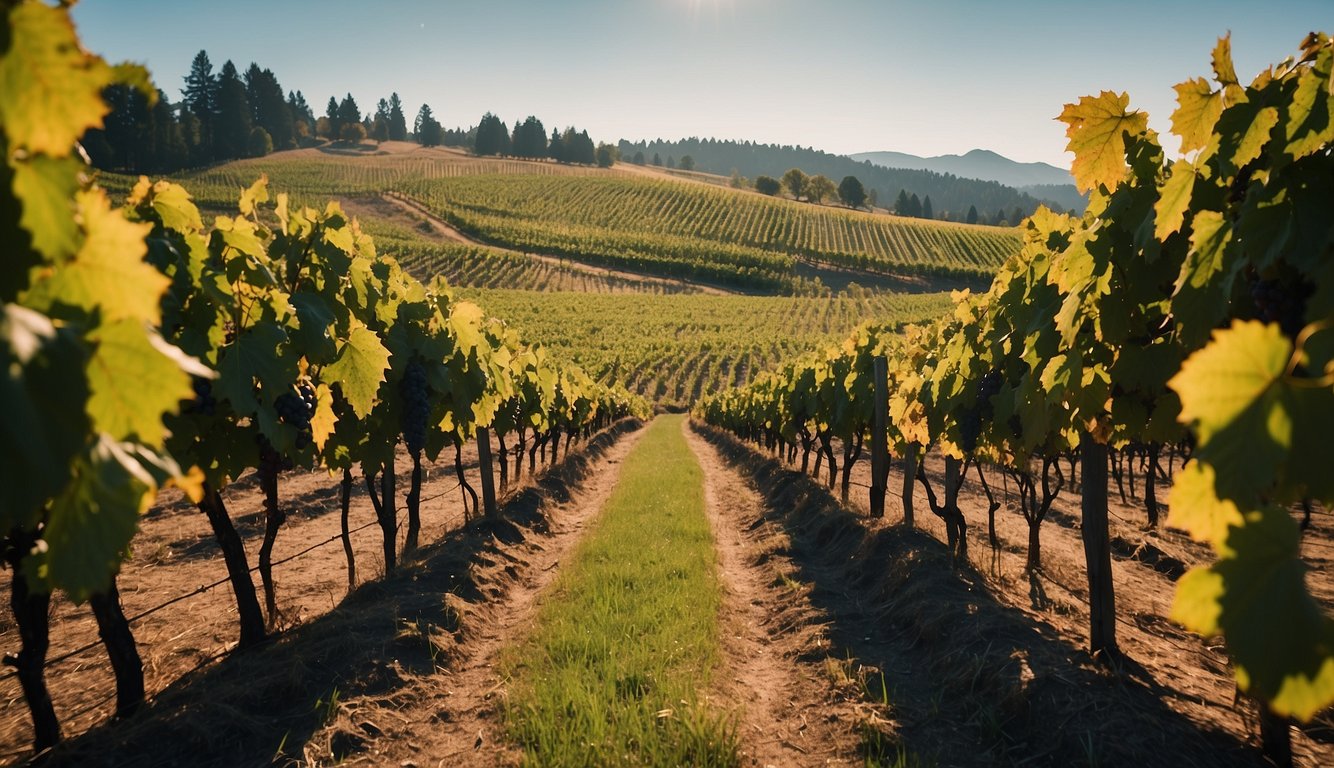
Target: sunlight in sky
840, 75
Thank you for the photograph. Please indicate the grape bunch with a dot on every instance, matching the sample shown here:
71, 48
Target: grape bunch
416, 406
204, 402
1277, 302
970, 423
296, 408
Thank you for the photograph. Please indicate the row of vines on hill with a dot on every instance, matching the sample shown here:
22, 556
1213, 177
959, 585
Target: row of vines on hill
1193, 303
139, 348
693, 230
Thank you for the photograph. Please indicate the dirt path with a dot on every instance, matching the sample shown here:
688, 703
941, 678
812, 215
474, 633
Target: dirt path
456, 717
451, 234
791, 711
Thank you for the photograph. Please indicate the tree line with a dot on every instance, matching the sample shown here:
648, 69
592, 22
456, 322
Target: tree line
529, 140
230, 114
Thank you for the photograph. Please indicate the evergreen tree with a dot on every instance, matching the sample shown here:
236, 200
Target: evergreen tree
927, 213
671, 162
233, 120
687, 163
579, 147
1000, 218
348, 113
657, 159
201, 99
493, 137
851, 192
638, 158
269, 109
398, 124
426, 129
331, 116
556, 147
530, 138
971, 218
914, 206
902, 205
1016, 216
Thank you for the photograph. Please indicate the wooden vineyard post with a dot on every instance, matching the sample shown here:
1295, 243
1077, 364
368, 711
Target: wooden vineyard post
880, 437
485, 464
1097, 548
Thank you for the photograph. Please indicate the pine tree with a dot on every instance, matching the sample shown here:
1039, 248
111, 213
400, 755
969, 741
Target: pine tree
914, 206
268, 108
927, 213
348, 113
331, 115
902, 205
234, 117
556, 147
971, 218
493, 137
398, 125
201, 98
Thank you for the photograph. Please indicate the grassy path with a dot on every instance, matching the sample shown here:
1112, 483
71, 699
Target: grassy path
629, 632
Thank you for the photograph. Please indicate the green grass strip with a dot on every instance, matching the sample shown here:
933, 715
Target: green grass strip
629, 633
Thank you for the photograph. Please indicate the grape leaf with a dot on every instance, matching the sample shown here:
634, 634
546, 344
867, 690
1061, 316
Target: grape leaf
1224, 72
1173, 200
1194, 506
134, 382
45, 187
1282, 642
1199, 298
171, 202
90, 523
1198, 108
360, 369
108, 273
1220, 382
50, 89
1253, 141
41, 375
254, 355
254, 196
323, 423
1096, 129
1310, 126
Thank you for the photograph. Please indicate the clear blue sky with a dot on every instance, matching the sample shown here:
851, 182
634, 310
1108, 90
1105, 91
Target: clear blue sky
927, 77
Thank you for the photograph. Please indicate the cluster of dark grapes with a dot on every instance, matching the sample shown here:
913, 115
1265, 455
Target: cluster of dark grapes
204, 402
970, 423
296, 409
1282, 303
416, 406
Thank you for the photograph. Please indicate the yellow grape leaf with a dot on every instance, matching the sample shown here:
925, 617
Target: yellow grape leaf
45, 187
1173, 200
322, 423
1238, 366
170, 202
109, 272
1194, 506
1096, 129
50, 88
191, 482
465, 319
1195, 605
1198, 108
134, 382
1224, 72
1255, 138
360, 369
257, 194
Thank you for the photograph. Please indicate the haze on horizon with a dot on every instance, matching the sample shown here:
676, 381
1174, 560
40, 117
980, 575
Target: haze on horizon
844, 76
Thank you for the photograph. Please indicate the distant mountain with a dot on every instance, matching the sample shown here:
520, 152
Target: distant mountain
977, 164
951, 195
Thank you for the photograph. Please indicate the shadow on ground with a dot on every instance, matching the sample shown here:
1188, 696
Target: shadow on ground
262, 707
969, 681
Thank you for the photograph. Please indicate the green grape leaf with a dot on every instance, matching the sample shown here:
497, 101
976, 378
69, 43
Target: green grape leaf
1253, 141
1229, 391
315, 321
1282, 642
1199, 298
50, 89
1198, 108
1194, 506
135, 378
360, 369
108, 273
92, 521
42, 422
1096, 129
45, 187
172, 204
1306, 471
254, 355
1173, 200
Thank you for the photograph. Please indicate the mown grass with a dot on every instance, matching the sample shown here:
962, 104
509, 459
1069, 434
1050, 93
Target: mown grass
628, 636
